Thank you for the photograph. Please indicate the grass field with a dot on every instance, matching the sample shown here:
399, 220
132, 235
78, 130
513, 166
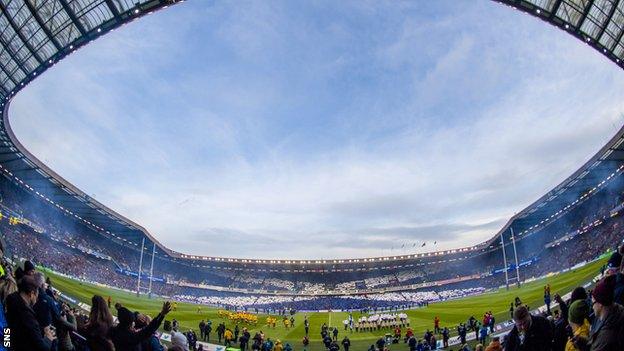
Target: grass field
450, 312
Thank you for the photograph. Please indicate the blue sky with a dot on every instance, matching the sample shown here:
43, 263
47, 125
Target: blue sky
322, 129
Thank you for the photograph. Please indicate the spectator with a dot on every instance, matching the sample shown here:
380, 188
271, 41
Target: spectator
97, 329
618, 291
65, 328
152, 343
8, 285
578, 314
26, 331
532, 333
29, 268
45, 308
48, 313
615, 261
607, 332
179, 339
125, 337
494, 345
560, 327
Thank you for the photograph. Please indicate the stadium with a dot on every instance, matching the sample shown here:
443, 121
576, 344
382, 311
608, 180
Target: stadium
564, 239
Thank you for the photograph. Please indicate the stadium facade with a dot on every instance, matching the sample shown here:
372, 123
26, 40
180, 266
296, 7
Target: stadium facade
35, 35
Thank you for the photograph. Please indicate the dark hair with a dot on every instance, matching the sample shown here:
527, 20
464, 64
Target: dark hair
520, 313
27, 285
125, 317
579, 293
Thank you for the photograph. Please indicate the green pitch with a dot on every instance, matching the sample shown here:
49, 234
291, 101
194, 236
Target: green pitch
450, 312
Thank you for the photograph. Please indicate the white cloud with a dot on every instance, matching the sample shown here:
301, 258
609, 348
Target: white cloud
263, 130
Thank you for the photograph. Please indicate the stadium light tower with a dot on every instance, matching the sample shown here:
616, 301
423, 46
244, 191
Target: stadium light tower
505, 262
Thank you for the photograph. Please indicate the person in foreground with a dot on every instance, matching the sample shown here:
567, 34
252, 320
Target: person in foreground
530, 333
607, 331
125, 337
26, 331
578, 314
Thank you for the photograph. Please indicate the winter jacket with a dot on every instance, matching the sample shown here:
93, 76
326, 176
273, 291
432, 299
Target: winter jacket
608, 335
130, 340
582, 332
537, 338
25, 330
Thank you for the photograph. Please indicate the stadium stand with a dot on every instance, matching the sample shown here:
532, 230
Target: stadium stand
50, 222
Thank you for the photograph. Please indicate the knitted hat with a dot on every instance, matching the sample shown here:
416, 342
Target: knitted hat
603, 292
579, 310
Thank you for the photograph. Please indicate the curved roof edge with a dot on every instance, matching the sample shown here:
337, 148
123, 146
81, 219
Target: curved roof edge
599, 24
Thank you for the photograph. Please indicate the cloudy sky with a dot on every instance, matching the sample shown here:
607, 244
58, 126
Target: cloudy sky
323, 129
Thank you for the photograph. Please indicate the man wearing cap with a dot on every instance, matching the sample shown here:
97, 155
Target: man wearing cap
607, 332
530, 333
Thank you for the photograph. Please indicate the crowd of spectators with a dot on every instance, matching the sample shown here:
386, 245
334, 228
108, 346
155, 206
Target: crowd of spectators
73, 249
589, 321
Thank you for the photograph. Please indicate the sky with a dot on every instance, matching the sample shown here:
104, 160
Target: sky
283, 129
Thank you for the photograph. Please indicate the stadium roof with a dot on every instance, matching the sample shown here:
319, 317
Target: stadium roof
36, 34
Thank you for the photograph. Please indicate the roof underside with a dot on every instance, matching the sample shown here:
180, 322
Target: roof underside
36, 34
